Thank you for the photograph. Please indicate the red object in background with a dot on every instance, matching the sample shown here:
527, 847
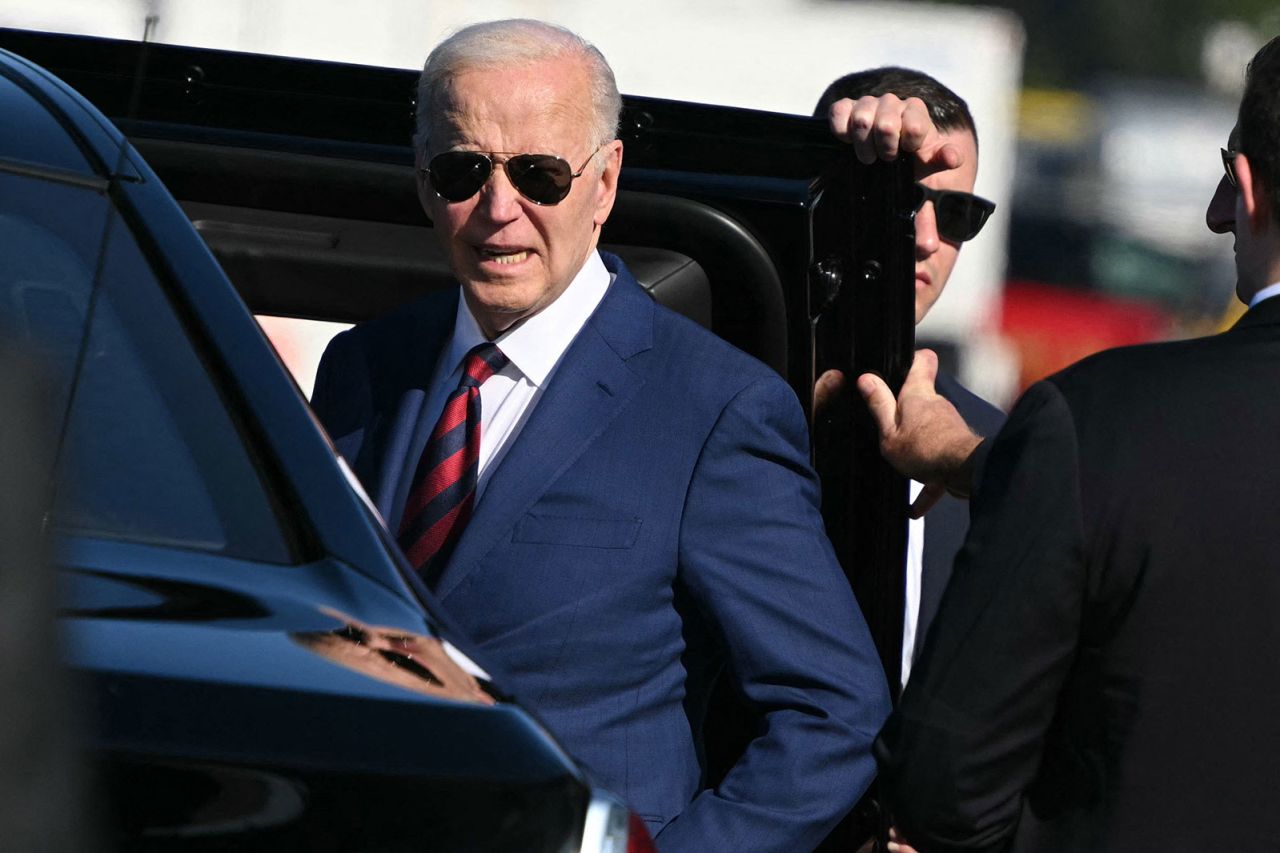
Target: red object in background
638, 840
1052, 327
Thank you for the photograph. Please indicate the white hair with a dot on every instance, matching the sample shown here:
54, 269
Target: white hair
515, 42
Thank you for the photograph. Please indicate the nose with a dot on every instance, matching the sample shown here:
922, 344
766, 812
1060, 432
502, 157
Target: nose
926, 231
498, 199
1221, 213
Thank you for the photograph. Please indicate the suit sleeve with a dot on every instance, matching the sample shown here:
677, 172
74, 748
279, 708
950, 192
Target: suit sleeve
968, 737
343, 396
755, 556
337, 398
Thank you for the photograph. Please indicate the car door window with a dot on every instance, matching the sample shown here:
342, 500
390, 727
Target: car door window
37, 137
148, 450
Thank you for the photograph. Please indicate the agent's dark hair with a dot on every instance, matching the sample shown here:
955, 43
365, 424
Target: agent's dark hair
947, 109
1259, 120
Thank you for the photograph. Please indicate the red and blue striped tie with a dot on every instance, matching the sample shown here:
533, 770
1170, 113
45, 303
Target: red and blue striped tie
444, 485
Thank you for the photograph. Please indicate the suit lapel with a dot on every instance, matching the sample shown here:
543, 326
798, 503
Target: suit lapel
944, 526
586, 392
426, 334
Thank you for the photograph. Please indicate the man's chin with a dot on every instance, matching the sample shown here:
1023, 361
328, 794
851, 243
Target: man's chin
496, 312
924, 301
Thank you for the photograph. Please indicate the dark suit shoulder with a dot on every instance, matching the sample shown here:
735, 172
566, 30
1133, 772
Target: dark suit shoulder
694, 366
1132, 399
391, 351
1180, 360
366, 367
385, 340
705, 368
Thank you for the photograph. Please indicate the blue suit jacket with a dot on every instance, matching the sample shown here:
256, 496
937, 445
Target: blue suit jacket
948, 521
655, 520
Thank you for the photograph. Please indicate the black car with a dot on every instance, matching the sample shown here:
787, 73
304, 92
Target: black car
266, 672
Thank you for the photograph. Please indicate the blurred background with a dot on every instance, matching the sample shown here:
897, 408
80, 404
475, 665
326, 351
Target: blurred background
1099, 120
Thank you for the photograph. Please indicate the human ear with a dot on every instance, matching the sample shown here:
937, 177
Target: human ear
607, 183
1253, 195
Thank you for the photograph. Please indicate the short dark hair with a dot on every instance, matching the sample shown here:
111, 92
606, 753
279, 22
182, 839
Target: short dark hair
1259, 120
947, 109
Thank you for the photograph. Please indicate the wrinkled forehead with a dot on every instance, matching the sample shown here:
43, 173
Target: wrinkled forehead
540, 108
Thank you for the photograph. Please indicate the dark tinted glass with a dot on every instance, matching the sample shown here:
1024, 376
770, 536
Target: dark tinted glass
148, 451
49, 238
458, 175
541, 177
959, 215
28, 133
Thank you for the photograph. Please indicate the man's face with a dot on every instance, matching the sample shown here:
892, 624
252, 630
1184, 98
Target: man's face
935, 257
1224, 212
514, 257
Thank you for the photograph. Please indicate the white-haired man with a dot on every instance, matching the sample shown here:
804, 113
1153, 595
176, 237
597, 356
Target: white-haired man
615, 504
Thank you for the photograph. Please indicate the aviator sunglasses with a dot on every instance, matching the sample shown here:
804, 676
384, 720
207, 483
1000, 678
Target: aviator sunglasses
542, 178
1229, 166
960, 215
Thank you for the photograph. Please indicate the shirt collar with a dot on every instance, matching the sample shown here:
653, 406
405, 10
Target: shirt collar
1266, 293
535, 345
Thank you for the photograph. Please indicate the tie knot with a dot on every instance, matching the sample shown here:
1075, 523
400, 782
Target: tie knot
482, 362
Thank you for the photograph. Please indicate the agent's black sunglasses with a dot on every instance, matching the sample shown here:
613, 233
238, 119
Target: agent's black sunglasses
1229, 166
542, 178
960, 216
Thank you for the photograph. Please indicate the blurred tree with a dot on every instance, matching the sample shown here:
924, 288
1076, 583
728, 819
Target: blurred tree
1069, 42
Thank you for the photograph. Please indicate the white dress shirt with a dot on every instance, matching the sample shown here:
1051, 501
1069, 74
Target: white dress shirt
915, 572
534, 349
1266, 293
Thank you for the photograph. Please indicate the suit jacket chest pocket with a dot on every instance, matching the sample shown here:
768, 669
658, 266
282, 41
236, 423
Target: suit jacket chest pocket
609, 533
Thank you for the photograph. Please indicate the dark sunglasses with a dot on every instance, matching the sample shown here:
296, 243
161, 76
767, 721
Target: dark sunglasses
1229, 166
542, 178
960, 216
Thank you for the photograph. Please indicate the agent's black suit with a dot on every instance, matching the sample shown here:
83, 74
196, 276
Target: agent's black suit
1104, 671
947, 522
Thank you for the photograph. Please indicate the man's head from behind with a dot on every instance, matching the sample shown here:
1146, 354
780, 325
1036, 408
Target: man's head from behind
517, 228
935, 255
1251, 208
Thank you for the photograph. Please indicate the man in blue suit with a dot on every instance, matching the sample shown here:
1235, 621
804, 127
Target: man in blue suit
942, 225
615, 504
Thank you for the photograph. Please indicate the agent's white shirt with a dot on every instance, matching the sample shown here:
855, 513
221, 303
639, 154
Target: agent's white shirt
534, 348
1266, 293
915, 571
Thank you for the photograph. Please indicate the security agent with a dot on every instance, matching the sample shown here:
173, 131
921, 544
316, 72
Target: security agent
947, 215
1101, 675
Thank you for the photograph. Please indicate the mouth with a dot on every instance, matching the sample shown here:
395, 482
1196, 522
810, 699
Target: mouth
923, 279
502, 255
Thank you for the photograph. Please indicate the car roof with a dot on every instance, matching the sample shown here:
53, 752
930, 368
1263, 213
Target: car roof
51, 127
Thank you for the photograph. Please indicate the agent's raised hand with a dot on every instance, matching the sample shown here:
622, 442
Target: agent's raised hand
886, 127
